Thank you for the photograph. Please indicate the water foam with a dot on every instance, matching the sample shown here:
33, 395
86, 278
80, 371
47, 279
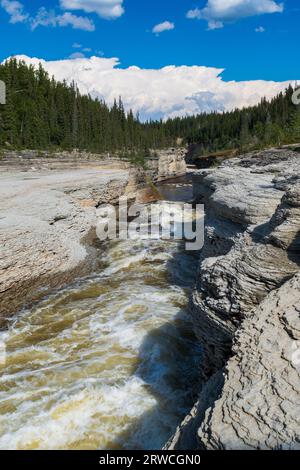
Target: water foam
103, 364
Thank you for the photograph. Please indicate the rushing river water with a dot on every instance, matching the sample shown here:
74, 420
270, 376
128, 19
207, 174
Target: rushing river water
109, 362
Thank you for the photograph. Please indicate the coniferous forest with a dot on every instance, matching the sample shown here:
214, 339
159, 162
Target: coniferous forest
41, 113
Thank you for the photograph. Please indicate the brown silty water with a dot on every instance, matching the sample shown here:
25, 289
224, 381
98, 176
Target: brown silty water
110, 362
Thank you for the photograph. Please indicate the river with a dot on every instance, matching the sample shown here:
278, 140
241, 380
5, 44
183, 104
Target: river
109, 362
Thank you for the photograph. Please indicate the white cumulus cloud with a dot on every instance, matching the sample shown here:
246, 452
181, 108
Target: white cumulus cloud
108, 9
159, 93
46, 17
161, 27
15, 10
218, 12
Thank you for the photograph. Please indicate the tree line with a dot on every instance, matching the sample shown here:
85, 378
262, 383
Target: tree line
273, 122
42, 113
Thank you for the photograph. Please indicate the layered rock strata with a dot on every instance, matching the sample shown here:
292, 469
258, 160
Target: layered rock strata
163, 164
46, 229
171, 163
246, 305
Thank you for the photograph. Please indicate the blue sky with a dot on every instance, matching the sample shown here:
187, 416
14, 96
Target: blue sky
249, 46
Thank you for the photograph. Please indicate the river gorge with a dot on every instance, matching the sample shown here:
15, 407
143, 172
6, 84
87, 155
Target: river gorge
103, 362
143, 345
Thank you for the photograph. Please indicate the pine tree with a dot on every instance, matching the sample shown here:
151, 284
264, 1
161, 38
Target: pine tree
43, 113
295, 125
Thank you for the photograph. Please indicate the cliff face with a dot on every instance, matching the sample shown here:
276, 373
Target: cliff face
167, 164
246, 305
171, 164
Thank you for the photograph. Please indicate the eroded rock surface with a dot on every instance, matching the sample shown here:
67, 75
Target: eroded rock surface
246, 305
259, 403
171, 164
45, 220
163, 164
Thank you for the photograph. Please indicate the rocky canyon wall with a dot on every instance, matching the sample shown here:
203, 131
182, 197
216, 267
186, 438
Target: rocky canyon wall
164, 164
245, 306
171, 163
46, 229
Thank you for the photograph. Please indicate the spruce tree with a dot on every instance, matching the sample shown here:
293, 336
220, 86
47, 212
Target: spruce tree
295, 125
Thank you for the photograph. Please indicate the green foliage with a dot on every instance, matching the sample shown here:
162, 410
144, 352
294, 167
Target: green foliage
268, 123
139, 157
42, 113
295, 125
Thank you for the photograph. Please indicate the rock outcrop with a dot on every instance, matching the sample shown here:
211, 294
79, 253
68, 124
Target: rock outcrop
171, 164
246, 305
163, 164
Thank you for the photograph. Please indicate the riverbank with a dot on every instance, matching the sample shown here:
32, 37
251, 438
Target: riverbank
48, 215
245, 306
110, 361
46, 229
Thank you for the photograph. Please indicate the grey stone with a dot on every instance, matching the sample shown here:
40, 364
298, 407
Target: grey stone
245, 305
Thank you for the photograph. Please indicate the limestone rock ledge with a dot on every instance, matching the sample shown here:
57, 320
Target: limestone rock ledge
258, 407
246, 305
171, 163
